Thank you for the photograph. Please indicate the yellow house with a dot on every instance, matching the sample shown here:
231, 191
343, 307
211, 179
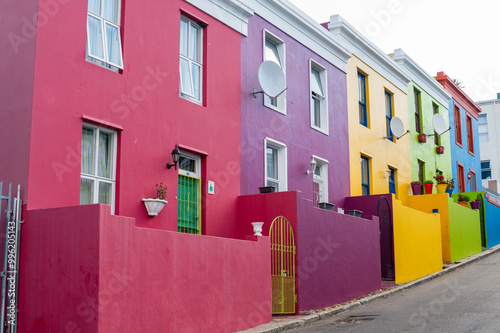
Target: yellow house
376, 92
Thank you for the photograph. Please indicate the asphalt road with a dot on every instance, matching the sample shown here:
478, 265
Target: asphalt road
465, 300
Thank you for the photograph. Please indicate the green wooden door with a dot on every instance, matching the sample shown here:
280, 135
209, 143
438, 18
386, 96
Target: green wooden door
189, 214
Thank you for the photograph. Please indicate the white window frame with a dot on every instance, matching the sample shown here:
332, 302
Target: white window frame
322, 179
106, 61
97, 179
186, 94
281, 99
324, 127
483, 128
282, 163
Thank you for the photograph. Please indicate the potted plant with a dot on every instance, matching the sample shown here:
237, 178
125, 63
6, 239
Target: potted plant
440, 183
155, 205
463, 199
440, 149
422, 138
326, 205
450, 186
428, 186
475, 204
415, 187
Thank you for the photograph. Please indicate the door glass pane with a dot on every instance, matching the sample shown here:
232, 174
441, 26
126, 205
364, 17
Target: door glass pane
88, 146
94, 37
104, 159
86, 191
186, 87
184, 38
113, 45
193, 44
187, 164
271, 52
104, 193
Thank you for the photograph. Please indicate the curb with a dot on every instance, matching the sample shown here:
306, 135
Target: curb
286, 324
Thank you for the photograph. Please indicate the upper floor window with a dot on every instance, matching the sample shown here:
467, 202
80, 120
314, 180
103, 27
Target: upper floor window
435, 110
388, 115
392, 180
363, 114
276, 165
470, 135
98, 166
473, 184
274, 50
103, 33
485, 170
416, 100
190, 61
319, 108
320, 181
458, 125
483, 128
365, 175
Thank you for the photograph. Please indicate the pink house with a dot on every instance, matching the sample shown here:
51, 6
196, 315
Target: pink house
95, 96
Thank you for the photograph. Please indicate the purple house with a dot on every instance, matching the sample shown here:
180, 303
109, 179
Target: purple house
297, 144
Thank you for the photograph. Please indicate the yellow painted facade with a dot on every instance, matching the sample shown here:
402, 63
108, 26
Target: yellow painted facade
369, 140
417, 243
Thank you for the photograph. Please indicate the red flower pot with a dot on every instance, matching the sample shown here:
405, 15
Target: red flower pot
440, 150
428, 188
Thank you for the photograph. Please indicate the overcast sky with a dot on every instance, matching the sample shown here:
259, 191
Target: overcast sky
459, 37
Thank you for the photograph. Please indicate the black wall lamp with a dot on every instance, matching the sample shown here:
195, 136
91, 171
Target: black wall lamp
176, 154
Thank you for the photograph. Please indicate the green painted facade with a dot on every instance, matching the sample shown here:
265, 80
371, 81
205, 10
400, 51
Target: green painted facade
465, 230
426, 152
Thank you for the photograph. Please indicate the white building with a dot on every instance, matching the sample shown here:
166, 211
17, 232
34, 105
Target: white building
489, 138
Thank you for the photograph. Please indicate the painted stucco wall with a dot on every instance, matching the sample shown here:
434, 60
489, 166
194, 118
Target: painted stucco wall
370, 141
417, 243
338, 256
17, 51
460, 154
293, 129
416, 236
102, 273
460, 226
143, 103
492, 215
426, 152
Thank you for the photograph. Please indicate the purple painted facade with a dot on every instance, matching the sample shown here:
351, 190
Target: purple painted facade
293, 129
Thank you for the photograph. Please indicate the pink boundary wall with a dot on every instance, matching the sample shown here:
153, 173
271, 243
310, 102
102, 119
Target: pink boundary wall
338, 256
86, 270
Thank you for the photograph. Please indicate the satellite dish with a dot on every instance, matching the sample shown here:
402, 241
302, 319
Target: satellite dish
439, 124
271, 79
397, 127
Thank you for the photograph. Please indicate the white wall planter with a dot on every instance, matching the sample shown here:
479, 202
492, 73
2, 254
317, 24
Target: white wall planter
257, 228
154, 206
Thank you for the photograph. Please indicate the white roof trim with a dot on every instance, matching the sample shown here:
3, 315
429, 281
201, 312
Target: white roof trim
232, 13
296, 24
421, 77
366, 51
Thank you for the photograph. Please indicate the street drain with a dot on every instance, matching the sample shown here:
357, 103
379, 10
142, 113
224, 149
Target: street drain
355, 319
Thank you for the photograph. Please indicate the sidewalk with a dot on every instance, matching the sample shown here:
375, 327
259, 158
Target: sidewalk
283, 323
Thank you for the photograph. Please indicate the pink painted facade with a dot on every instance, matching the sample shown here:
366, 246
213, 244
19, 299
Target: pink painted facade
89, 271
83, 268
53, 92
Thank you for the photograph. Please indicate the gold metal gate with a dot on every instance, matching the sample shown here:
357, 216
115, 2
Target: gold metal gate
282, 266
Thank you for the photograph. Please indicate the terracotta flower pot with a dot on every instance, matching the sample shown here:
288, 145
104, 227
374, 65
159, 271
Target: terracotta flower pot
462, 203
